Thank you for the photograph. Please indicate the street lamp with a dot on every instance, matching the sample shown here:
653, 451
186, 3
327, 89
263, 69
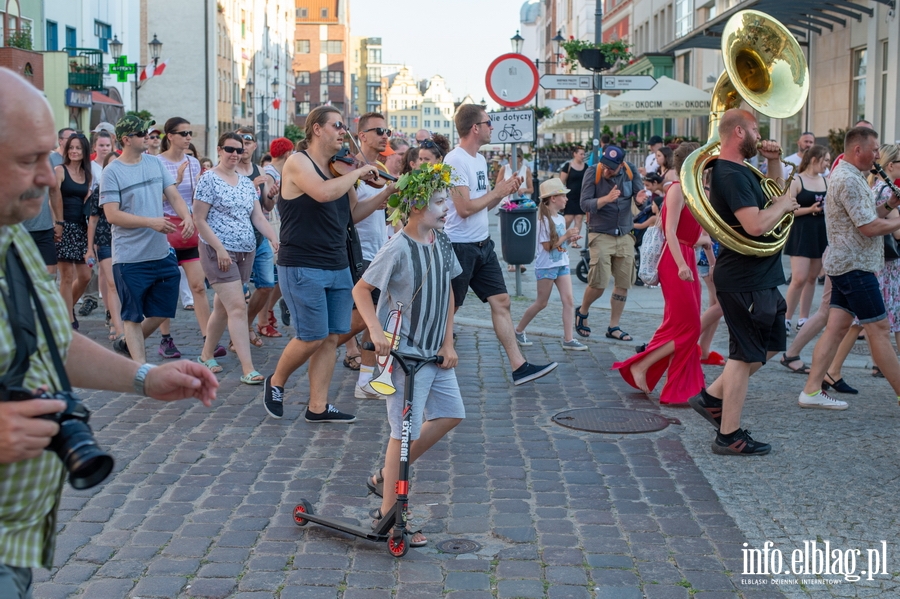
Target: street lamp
123, 69
115, 48
517, 41
155, 50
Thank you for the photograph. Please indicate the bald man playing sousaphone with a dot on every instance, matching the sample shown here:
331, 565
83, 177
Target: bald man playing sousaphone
747, 286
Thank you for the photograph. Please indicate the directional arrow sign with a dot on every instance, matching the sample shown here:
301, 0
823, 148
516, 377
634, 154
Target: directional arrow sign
643, 82
567, 82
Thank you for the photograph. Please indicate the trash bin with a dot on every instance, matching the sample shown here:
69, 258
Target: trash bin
518, 234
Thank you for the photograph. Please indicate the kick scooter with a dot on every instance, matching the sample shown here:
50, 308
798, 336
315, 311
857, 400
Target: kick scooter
396, 518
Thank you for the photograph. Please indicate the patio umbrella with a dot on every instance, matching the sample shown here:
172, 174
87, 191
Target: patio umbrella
669, 99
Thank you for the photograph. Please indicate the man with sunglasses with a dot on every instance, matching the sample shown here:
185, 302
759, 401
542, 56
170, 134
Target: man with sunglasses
422, 135
467, 228
374, 139
144, 268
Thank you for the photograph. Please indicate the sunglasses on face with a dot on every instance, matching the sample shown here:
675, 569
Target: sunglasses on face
487, 122
379, 131
184, 133
340, 126
247, 137
137, 134
428, 144
156, 136
232, 150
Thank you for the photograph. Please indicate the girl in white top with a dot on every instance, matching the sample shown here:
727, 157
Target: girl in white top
552, 263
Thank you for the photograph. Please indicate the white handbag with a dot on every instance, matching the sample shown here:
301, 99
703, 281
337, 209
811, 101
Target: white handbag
652, 247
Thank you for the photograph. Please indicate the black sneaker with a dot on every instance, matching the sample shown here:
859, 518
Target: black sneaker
739, 443
331, 414
273, 398
87, 306
120, 346
285, 313
708, 406
529, 372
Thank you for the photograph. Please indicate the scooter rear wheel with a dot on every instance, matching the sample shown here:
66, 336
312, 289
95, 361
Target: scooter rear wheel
302, 508
398, 548
581, 271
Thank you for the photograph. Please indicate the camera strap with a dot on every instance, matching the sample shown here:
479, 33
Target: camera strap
21, 320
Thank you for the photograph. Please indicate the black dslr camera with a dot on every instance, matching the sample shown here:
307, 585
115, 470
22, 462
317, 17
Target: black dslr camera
88, 465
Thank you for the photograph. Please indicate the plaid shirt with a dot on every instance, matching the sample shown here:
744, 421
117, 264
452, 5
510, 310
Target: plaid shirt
30, 490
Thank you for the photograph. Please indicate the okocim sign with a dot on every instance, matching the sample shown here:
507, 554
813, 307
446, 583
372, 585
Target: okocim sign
670, 99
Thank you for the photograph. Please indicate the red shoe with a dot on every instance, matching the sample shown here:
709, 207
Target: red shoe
268, 331
273, 322
713, 359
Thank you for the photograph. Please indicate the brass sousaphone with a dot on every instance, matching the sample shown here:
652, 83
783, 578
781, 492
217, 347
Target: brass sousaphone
764, 67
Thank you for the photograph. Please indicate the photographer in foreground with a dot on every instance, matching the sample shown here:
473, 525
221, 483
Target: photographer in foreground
31, 477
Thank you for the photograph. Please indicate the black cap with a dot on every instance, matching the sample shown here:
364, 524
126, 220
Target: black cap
656, 139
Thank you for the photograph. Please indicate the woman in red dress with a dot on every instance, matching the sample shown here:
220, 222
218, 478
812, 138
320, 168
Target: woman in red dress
674, 345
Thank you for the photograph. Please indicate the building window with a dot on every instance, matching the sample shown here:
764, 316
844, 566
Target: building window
426, 124
71, 40
373, 94
373, 74
302, 13
302, 78
414, 122
104, 33
404, 122
437, 125
446, 124
333, 77
427, 111
302, 108
324, 13
52, 36
393, 122
374, 56
243, 24
859, 85
684, 17
393, 104
333, 47
301, 46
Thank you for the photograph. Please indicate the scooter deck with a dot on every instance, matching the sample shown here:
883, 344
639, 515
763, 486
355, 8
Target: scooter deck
359, 531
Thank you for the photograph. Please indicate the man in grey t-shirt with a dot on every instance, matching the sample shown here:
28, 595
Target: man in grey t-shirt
42, 226
145, 271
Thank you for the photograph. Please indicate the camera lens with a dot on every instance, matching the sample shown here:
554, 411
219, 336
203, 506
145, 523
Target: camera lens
88, 465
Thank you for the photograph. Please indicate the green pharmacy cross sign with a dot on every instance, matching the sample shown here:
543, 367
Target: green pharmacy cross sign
122, 68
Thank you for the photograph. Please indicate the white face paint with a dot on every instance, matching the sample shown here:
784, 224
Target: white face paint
436, 213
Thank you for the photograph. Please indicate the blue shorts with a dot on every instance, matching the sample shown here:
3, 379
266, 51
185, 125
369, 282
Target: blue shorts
551, 273
320, 301
263, 275
858, 293
148, 289
104, 252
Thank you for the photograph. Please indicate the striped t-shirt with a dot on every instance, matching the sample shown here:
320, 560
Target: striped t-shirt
418, 276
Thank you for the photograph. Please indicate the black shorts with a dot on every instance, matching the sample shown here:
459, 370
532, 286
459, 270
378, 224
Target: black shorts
46, 246
755, 321
480, 270
187, 255
376, 293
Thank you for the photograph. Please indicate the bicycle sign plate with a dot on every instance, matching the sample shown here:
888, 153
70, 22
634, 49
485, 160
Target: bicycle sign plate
512, 127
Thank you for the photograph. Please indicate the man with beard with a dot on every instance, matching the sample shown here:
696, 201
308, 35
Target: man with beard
747, 286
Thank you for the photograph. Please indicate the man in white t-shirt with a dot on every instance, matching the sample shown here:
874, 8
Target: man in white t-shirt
806, 141
650, 163
467, 228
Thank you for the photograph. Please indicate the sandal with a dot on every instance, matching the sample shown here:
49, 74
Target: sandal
189, 307
876, 372
212, 364
253, 378
839, 385
255, 341
787, 360
352, 362
112, 336
268, 331
622, 335
580, 327
713, 359
375, 484
273, 322
423, 540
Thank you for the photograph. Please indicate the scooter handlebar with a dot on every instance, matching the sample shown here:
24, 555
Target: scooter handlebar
369, 346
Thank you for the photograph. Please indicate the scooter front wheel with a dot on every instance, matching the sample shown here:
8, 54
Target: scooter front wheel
398, 548
581, 271
302, 508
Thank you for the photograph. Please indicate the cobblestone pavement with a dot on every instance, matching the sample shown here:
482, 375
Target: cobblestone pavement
200, 504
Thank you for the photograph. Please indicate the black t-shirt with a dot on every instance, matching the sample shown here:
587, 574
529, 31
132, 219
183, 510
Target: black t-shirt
314, 234
732, 187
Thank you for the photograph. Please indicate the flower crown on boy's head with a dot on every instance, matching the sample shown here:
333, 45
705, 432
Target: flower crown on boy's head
414, 189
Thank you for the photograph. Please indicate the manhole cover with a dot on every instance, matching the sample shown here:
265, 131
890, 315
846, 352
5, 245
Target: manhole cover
613, 420
458, 546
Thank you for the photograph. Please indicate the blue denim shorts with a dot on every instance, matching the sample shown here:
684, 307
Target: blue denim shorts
263, 275
148, 289
551, 273
104, 252
320, 301
858, 293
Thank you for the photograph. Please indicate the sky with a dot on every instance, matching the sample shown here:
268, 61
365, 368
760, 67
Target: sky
456, 39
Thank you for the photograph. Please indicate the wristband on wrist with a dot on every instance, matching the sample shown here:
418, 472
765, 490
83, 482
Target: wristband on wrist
140, 376
59, 222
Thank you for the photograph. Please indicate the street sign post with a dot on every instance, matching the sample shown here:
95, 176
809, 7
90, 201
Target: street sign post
512, 127
567, 82
511, 80
618, 82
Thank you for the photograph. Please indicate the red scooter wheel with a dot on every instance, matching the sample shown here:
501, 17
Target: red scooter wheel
398, 548
302, 508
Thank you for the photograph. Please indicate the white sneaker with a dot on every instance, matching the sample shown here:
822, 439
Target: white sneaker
366, 392
821, 401
522, 340
787, 327
574, 345
800, 323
